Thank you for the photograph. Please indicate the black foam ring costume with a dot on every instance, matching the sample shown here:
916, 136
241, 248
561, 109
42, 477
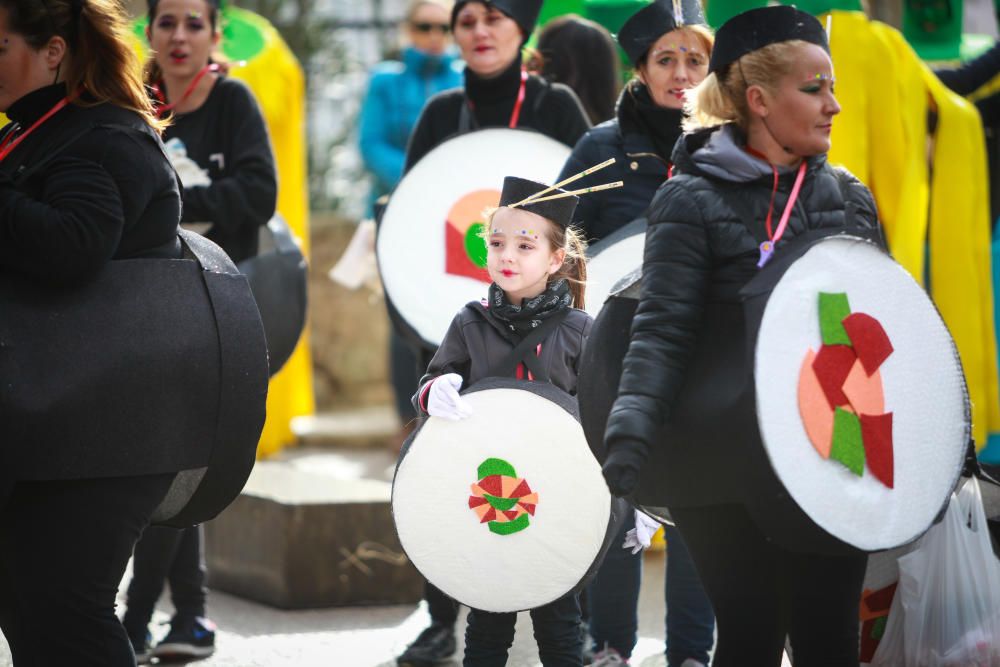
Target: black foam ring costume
560, 210
656, 19
151, 366
757, 28
524, 12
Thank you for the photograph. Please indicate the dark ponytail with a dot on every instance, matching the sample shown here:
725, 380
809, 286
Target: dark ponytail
100, 60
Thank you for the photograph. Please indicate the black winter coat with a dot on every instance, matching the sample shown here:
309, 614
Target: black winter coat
550, 108
476, 343
701, 249
637, 163
90, 185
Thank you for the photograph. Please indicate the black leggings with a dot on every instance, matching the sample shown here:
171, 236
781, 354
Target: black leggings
63, 550
761, 593
166, 554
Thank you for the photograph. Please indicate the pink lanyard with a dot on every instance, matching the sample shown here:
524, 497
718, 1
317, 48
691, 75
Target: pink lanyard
767, 247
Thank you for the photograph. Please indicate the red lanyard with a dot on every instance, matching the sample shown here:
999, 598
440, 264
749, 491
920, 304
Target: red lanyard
520, 100
767, 247
10, 143
516, 114
161, 98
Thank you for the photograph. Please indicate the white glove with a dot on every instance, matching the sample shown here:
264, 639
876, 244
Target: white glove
640, 537
443, 399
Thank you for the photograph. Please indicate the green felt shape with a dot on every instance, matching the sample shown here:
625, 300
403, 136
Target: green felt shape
847, 444
502, 504
495, 467
509, 527
833, 308
878, 627
475, 244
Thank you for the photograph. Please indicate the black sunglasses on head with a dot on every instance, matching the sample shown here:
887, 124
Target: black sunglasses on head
425, 28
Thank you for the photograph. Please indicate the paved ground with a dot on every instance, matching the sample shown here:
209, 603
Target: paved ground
254, 635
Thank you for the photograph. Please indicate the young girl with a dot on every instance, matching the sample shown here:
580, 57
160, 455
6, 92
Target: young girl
537, 265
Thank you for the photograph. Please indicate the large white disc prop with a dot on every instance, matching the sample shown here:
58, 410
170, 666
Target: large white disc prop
861, 399
506, 510
430, 254
611, 259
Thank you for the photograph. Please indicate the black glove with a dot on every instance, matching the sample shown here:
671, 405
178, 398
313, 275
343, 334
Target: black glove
621, 467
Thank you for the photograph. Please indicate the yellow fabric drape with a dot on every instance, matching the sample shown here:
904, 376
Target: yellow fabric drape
881, 136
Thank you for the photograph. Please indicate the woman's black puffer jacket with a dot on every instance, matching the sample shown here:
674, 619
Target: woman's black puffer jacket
705, 226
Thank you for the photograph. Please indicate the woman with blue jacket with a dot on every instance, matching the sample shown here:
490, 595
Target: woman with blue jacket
398, 90
670, 54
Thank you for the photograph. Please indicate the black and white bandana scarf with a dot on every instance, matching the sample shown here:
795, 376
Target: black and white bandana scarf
522, 319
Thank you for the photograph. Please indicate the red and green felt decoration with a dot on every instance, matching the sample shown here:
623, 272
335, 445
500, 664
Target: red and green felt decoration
875, 607
501, 499
849, 426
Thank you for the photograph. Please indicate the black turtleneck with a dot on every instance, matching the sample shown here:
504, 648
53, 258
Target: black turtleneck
88, 185
552, 109
639, 114
641, 138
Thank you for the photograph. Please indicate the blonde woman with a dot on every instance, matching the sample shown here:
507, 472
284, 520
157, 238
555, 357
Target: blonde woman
760, 124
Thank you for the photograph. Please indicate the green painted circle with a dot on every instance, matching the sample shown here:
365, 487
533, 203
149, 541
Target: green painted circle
475, 244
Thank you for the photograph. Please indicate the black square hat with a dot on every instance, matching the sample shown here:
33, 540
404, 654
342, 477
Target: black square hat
559, 211
524, 12
755, 29
656, 19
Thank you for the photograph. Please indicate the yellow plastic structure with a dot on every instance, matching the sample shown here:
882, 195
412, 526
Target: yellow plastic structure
269, 68
882, 137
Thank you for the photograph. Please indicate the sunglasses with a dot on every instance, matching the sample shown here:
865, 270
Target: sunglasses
426, 28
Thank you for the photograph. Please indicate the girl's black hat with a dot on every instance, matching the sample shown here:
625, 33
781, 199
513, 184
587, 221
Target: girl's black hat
524, 12
755, 29
656, 19
559, 209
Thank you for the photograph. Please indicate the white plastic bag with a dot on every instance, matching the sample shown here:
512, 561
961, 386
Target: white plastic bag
946, 612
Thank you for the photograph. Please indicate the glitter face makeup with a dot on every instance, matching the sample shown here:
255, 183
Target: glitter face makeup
194, 15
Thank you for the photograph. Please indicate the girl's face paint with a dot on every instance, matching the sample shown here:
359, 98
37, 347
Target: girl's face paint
519, 257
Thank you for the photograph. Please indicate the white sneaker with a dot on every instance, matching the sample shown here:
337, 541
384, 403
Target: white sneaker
609, 657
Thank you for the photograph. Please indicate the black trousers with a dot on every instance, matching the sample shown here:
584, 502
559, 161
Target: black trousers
761, 593
443, 610
489, 636
166, 554
64, 546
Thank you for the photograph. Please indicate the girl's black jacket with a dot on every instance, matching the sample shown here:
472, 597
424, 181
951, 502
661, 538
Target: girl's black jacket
89, 185
476, 343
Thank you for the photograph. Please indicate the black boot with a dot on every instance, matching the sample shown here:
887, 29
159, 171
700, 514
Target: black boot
433, 645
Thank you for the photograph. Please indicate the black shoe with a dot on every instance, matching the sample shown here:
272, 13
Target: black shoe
188, 638
142, 647
433, 645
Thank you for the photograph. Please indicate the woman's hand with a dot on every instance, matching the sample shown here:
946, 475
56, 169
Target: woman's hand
621, 468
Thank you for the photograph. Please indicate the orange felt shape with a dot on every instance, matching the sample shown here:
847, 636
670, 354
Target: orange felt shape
876, 433
817, 417
832, 364
864, 391
869, 340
